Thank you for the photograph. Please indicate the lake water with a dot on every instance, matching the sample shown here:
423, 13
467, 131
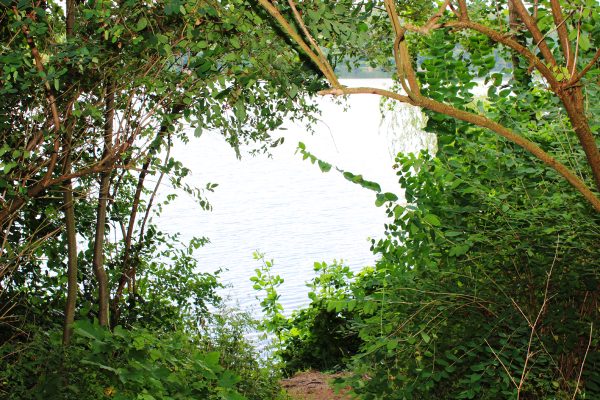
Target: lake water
286, 207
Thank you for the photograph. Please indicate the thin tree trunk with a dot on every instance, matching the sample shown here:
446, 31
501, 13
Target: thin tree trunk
128, 273
98, 255
70, 215
71, 251
70, 18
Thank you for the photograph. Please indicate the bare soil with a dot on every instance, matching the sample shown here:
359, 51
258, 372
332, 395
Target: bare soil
313, 385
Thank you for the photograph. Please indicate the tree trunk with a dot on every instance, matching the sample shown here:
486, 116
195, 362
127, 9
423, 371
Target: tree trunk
72, 253
573, 103
98, 256
70, 215
70, 18
128, 273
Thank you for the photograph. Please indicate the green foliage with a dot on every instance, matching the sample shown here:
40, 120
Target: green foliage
485, 288
319, 336
103, 102
123, 364
272, 309
356, 179
232, 333
463, 278
170, 292
487, 284
206, 65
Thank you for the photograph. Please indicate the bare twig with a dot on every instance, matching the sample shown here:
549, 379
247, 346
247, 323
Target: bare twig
534, 325
502, 364
583, 362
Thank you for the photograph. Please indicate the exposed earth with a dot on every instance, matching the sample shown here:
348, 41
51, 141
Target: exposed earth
312, 385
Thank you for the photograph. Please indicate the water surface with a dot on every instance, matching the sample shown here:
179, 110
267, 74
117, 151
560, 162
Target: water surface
286, 207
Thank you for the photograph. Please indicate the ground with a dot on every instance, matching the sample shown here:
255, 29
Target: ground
312, 385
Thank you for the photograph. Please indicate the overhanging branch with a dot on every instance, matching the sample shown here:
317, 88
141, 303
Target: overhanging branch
405, 69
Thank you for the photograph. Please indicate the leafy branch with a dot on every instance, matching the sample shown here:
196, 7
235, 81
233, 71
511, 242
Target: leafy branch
570, 96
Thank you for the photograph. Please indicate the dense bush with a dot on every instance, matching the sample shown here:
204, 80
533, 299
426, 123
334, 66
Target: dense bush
319, 336
233, 334
487, 286
123, 364
137, 363
488, 283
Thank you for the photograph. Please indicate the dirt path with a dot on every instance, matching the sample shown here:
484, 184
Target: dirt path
312, 385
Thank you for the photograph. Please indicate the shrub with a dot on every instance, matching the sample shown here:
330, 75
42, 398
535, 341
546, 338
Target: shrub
123, 364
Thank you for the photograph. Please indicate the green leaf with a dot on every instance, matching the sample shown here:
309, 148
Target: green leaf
141, 24
240, 111
4, 149
459, 250
325, 167
584, 42
87, 329
229, 394
432, 219
101, 366
228, 379
426, 337
9, 166
388, 196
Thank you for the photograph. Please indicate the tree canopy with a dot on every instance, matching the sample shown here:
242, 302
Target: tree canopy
91, 99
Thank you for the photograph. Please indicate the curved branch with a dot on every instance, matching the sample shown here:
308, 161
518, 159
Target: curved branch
464, 13
445, 109
483, 122
331, 74
342, 91
401, 56
572, 100
271, 9
563, 35
534, 30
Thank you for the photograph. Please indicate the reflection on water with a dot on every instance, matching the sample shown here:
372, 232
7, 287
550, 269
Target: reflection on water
284, 206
